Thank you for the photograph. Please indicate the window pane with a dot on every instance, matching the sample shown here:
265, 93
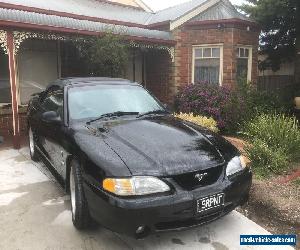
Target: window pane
246, 52
207, 70
207, 52
216, 52
198, 52
5, 95
242, 69
242, 52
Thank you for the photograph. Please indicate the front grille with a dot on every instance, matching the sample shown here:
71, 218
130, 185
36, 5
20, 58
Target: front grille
174, 225
190, 181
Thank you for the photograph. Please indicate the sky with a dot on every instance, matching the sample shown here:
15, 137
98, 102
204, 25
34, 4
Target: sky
162, 4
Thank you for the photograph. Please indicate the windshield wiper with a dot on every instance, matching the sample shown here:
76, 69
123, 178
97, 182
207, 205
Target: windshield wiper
159, 111
110, 115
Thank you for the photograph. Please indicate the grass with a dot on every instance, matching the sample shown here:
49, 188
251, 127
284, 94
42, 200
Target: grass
296, 182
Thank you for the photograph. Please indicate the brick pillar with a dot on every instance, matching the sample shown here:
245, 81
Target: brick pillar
13, 87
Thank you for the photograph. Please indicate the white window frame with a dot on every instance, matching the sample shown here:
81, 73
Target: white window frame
250, 58
205, 46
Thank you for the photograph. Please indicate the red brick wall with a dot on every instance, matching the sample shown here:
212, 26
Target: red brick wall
164, 77
159, 75
6, 124
229, 35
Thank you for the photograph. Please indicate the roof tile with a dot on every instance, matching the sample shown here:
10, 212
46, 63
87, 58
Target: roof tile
106, 10
66, 22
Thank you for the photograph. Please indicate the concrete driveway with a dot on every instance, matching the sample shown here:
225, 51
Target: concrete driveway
35, 214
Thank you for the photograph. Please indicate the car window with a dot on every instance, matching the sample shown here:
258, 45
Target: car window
53, 101
94, 101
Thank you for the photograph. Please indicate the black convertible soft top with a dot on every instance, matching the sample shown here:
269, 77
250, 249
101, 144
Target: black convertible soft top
89, 80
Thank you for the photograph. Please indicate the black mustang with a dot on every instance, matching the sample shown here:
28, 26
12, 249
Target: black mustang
128, 163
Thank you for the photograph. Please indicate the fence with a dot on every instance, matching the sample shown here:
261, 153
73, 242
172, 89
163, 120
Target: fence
275, 83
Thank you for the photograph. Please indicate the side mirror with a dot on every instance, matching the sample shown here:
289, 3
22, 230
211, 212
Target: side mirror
51, 116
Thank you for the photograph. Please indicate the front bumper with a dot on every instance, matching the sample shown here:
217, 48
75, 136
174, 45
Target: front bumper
165, 213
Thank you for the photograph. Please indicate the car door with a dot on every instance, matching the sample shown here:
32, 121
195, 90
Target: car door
50, 131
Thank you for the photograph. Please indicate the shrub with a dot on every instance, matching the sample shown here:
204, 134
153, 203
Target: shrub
277, 131
275, 142
104, 56
221, 103
259, 102
202, 121
231, 108
265, 159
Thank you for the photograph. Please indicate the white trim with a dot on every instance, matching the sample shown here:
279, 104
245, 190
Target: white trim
203, 7
250, 62
208, 45
250, 59
221, 65
143, 5
220, 46
193, 66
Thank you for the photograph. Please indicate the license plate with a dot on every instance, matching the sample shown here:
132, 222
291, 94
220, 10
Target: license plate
210, 202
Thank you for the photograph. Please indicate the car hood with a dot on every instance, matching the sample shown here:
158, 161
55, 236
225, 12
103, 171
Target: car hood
160, 146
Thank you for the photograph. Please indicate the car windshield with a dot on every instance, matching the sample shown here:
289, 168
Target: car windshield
90, 102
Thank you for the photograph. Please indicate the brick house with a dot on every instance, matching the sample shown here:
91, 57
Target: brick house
200, 40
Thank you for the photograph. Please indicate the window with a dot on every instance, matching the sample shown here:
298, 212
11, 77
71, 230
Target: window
207, 64
244, 59
94, 101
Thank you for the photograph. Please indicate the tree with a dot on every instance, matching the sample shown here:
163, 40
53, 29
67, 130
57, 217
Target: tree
105, 56
278, 20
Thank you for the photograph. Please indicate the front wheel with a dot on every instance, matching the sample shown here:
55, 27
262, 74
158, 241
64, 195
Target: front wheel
80, 211
32, 146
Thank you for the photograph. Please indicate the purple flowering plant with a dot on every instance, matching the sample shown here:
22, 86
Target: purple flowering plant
222, 103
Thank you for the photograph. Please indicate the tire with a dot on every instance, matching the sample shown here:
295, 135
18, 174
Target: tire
32, 147
79, 207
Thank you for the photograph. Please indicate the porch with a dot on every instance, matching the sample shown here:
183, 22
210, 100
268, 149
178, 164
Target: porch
29, 61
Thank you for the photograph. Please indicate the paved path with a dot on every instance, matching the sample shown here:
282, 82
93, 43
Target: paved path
35, 214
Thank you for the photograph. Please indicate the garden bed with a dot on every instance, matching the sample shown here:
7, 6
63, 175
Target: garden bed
274, 202
275, 206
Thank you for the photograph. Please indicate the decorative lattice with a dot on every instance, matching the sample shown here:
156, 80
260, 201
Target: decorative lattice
3, 41
171, 50
20, 37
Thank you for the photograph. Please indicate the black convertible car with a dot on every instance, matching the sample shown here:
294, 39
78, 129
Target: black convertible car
128, 163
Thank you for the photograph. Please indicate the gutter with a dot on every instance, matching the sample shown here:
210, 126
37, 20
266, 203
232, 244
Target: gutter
49, 28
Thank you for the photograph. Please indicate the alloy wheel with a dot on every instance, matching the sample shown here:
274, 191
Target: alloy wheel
31, 142
73, 192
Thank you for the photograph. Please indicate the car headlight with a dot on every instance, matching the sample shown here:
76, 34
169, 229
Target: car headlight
237, 164
135, 186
